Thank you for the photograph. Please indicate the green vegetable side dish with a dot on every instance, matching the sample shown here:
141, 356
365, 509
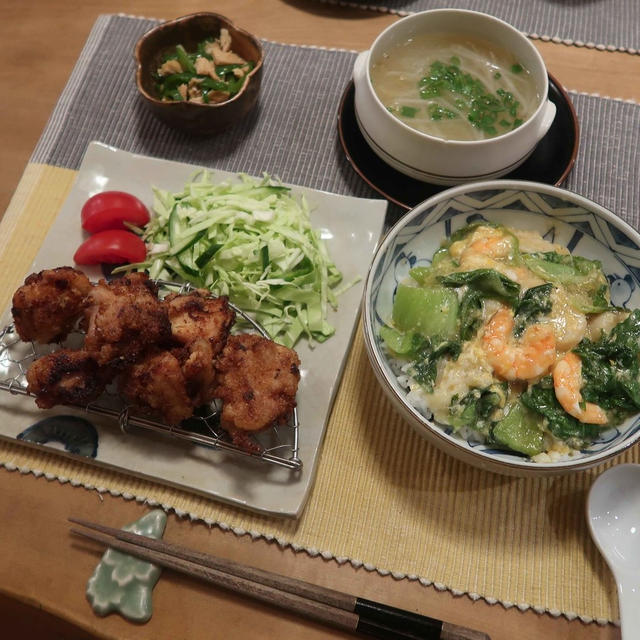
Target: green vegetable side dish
251, 240
211, 74
510, 340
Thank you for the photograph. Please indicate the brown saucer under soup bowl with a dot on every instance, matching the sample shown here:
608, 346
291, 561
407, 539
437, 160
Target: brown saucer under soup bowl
197, 116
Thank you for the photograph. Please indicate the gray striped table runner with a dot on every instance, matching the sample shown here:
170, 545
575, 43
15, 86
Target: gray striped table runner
611, 24
292, 134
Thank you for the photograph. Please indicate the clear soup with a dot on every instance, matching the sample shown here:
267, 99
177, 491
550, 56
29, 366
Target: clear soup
455, 86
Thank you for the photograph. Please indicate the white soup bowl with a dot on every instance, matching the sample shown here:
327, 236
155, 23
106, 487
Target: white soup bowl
436, 160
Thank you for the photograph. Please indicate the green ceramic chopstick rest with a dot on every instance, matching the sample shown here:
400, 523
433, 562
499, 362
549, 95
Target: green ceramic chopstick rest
123, 583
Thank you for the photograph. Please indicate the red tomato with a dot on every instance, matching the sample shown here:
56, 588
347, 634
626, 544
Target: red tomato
109, 209
113, 246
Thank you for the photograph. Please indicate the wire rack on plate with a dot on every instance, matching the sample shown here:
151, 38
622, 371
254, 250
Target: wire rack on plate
277, 445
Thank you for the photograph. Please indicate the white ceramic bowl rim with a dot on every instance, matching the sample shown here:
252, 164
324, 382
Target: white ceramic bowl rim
436, 430
462, 143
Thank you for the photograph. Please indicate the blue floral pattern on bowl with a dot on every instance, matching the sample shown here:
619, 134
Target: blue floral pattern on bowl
560, 216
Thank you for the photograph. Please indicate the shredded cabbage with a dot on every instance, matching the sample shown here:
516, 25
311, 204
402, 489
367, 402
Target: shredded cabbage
250, 240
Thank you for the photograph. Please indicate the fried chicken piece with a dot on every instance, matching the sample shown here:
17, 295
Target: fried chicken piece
123, 319
46, 307
198, 315
199, 371
257, 382
66, 377
171, 383
157, 384
201, 323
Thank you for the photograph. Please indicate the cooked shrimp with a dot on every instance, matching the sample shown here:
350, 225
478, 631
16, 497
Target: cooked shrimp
529, 358
486, 241
494, 253
470, 261
495, 246
567, 382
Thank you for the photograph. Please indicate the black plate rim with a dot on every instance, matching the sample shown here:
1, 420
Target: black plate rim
560, 180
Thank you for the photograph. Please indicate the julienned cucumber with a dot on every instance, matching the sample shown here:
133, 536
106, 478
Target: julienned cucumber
253, 241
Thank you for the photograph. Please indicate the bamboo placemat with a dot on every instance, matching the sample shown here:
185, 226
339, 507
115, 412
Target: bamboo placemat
383, 497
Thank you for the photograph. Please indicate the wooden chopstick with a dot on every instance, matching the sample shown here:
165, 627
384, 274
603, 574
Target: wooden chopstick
284, 583
309, 608
314, 602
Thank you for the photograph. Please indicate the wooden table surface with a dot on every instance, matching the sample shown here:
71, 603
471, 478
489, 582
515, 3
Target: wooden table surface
43, 571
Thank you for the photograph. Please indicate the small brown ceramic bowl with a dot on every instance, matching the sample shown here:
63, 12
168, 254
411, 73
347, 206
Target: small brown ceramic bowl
193, 117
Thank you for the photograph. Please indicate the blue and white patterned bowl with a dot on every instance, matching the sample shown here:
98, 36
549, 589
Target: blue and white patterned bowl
560, 216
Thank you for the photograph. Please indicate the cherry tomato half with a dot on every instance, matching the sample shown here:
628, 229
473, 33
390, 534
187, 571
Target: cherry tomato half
113, 246
110, 209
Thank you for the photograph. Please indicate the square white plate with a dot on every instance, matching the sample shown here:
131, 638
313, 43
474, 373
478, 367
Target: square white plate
351, 228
